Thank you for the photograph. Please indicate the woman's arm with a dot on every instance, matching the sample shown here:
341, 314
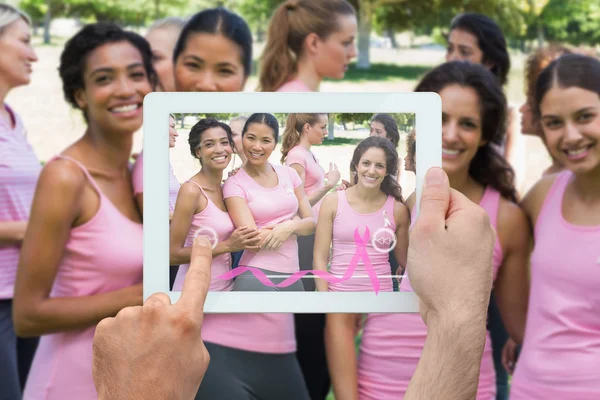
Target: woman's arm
402, 218
340, 334
189, 202
304, 226
333, 178
512, 282
323, 237
12, 232
56, 207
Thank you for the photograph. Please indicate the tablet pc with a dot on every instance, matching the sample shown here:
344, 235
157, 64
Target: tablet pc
423, 109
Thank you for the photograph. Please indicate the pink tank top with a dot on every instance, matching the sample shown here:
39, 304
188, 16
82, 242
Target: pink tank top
560, 358
62, 366
344, 246
220, 221
138, 181
392, 343
19, 172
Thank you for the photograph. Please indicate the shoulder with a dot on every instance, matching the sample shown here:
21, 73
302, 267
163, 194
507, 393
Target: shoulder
513, 227
288, 170
401, 213
63, 175
189, 189
330, 202
410, 201
534, 199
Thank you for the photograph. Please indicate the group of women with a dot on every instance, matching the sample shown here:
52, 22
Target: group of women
71, 232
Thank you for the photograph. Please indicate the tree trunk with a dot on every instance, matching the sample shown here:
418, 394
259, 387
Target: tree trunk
391, 34
540, 33
47, 20
364, 33
330, 127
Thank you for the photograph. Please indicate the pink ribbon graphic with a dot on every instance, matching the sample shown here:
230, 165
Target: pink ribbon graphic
360, 253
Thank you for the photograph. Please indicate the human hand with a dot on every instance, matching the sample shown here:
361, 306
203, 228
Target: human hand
450, 253
344, 185
509, 356
156, 350
233, 171
244, 238
278, 235
333, 176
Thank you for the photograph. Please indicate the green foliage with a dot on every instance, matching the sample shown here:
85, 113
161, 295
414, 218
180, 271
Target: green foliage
574, 22
405, 122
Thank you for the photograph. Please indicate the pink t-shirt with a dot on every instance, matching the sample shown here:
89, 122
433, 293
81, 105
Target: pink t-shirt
262, 333
19, 171
561, 350
314, 174
269, 206
138, 181
392, 343
295, 85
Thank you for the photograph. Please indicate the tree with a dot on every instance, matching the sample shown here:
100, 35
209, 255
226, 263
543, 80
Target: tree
575, 22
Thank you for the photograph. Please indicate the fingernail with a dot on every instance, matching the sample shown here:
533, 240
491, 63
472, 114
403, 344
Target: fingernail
202, 240
434, 177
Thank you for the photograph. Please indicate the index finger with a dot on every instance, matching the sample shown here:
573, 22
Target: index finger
197, 279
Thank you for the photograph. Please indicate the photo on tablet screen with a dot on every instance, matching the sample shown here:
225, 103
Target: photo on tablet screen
306, 211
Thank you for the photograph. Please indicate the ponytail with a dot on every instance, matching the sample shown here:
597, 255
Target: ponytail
278, 59
291, 136
293, 130
290, 24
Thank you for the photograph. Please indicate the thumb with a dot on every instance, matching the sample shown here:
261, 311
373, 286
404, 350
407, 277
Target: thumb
435, 199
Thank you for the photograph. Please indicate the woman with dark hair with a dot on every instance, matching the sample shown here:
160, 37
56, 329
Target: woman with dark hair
560, 358
81, 259
373, 204
19, 171
200, 204
213, 53
478, 39
473, 111
307, 41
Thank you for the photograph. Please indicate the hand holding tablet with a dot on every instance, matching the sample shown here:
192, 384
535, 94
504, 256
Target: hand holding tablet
156, 350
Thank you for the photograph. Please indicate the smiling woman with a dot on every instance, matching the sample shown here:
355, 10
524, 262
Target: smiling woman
213, 53
82, 253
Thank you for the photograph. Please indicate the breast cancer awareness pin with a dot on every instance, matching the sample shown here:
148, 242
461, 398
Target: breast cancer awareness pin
384, 240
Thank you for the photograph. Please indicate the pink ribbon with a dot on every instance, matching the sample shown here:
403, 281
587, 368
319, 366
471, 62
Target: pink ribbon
360, 253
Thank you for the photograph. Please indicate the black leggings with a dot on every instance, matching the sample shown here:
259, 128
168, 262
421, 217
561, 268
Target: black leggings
16, 355
235, 374
310, 332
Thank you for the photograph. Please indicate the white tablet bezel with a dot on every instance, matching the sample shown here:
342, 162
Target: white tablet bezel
427, 108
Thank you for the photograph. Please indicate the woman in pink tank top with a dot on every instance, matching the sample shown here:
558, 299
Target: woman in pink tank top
473, 111
307, 41
19, 171
201, 209
81, 260
560, 358
370, 217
